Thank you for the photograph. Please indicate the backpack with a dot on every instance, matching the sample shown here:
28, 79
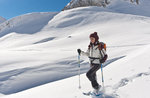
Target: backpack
102, 45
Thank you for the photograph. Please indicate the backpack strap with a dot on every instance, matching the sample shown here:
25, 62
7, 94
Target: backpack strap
102, 49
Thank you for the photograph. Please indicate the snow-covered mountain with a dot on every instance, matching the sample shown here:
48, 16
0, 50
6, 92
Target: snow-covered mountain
26, 24
38, 52
2, 19
119, 6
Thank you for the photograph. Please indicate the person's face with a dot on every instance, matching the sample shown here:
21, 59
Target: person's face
92, 40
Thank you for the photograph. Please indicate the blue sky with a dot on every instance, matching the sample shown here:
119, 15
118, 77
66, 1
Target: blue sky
12, 8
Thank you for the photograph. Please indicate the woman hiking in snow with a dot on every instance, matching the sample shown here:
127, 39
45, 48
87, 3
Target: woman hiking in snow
97, 55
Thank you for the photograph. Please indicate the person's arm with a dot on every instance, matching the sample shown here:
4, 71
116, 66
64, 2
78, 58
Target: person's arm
87, 53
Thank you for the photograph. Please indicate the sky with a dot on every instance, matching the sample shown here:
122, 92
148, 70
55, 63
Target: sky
13, 8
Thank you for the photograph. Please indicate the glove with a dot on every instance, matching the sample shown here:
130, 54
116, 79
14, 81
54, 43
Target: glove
79, 51
103, 59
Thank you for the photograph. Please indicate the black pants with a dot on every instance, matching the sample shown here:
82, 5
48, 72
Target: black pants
91, 74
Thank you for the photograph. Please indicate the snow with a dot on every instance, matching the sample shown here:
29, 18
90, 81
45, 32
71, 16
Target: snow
38, 63
118, 83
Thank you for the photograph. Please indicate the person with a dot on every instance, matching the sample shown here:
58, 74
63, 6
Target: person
97, 56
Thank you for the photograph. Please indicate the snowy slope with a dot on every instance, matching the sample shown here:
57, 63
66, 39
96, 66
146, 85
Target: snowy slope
2, 19
124, 78
30, 60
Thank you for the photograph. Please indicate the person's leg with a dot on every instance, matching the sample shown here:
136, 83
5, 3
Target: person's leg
91, 74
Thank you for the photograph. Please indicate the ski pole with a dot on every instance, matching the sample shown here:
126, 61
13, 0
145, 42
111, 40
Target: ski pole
79, 70
102, 78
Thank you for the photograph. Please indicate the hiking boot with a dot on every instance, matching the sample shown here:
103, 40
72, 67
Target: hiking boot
97, 89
